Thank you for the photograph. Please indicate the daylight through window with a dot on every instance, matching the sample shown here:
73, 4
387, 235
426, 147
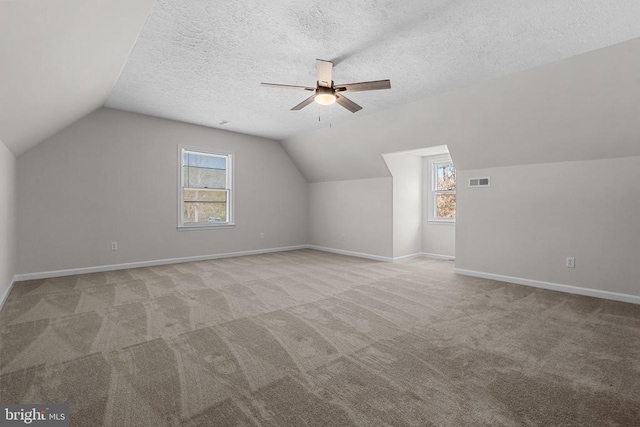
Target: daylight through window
205, 189
443, 190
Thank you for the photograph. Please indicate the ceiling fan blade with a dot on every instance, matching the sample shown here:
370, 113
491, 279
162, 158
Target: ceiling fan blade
325, 72
362, 86
304, 103
286, 86
347, 103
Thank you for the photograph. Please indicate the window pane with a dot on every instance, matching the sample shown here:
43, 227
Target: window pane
445, 206
446, 177
199, 213
204, 206
201, 170
194, 177
202, 160
204, 195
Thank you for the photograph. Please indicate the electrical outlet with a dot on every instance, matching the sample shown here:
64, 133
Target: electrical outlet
571, 262
261, 236
114, 246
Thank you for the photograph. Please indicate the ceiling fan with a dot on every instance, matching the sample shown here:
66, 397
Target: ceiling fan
326, 93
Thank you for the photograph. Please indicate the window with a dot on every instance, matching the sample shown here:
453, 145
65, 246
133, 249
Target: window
205, 193
442, 186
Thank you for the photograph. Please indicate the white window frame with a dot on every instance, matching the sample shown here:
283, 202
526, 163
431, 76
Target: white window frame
432, 183
230, 187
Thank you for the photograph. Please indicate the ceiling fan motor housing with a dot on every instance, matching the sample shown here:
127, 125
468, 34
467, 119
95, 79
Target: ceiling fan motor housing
325, 95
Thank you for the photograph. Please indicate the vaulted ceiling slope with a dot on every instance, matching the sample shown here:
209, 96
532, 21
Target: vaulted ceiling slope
202, 61
582, 108
59, 60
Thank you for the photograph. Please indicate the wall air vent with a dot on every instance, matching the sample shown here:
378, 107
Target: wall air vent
479, 182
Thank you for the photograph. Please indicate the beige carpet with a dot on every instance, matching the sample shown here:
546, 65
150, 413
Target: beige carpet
307, 338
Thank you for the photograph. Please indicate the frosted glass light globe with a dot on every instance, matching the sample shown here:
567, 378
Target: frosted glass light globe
325, 98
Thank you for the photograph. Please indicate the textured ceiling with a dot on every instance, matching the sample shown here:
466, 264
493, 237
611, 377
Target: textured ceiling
582, 108
202, 61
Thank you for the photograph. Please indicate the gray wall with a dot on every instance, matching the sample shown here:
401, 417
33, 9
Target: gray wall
7, 218
354, 216
406, 170
584, 108
533, 217
112, 176
439, 239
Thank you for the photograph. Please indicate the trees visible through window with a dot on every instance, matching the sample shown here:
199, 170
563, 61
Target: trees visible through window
205, 188
442, 206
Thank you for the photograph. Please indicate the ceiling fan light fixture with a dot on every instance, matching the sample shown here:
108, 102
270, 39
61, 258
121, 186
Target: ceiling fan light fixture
325, 93
325, 98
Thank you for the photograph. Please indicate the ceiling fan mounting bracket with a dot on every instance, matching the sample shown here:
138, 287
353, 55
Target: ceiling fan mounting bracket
324, 90
318, 85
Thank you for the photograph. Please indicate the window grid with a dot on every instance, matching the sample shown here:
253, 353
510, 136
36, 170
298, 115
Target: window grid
442, 200
205, 189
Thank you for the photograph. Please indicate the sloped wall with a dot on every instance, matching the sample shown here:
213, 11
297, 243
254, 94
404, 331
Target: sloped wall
60, 60
113, 176
583, 108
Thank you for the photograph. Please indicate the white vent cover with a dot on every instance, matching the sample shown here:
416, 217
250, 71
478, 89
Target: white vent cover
479, 182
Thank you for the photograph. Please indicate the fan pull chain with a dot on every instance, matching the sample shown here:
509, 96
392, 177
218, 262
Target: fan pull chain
330, 114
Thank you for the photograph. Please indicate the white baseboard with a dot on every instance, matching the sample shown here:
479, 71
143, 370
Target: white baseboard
379, 257
6, 293
425, 255
438, 256
552, 286
112, 267
405, 257
351, 253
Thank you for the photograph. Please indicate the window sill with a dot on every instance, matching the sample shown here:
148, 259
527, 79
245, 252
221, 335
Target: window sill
441, 222
204, 227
